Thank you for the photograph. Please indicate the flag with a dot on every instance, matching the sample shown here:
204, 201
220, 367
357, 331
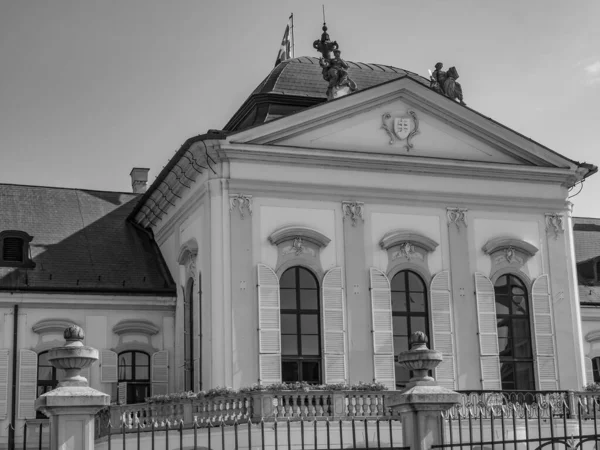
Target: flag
286, 42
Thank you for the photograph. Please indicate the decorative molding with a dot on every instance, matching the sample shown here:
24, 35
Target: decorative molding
554, 224
55, 326
509, 245
400, 237
593, 336
401, 128
241, 202
456, 216
291, 233
189, 247
406, 250
135, 326
354, 210
298, 248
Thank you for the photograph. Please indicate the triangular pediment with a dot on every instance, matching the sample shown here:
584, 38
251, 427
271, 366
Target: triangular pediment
439, 128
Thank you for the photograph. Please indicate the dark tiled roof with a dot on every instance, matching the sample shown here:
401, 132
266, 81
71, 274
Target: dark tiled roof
586, 234
82, 242
302, 76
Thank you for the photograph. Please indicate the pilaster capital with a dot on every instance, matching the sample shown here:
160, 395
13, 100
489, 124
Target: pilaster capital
555, 224
241, 202
457, 216
353, 210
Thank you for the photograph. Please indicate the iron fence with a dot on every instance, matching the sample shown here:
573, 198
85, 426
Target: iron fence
548, 420
291, 434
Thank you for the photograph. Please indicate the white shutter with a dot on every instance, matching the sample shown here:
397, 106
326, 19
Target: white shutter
544, 334
443, 336
27, 383
4, 364
334, 329
160, 372
269, 328
122, 393
589, 371
108, 366
488, 333
383, 336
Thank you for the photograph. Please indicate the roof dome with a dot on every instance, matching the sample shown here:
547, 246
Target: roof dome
298, 83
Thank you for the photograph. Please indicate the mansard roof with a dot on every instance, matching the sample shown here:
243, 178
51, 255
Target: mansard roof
81, 242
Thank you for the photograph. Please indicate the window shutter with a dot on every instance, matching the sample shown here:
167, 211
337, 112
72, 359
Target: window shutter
4, 364
334, 328
122, 393
108, 366
27, 383
544, 334
269, 329
443, 336
160, 372
589, 371
488, 333
383, 336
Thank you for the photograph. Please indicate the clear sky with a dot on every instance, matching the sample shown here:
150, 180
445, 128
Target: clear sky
90, 89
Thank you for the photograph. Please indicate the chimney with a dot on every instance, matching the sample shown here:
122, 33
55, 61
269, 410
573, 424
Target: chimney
139, 179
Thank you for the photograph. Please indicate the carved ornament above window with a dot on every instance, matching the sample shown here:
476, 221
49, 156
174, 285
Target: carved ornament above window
298, 245
135, 326
508, 252
405, 247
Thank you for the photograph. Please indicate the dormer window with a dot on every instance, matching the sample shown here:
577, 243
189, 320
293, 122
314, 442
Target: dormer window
14, 249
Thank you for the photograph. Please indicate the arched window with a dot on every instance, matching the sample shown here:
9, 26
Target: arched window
596, 369
188, 335
46, 378
300, 326
514, 333
134, 369
410, 313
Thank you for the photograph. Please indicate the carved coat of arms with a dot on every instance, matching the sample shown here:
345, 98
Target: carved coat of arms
401, 128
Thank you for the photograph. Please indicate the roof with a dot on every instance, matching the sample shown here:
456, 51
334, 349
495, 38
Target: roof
586, 234
81, 242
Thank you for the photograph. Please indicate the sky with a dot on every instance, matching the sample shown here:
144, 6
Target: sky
90, 89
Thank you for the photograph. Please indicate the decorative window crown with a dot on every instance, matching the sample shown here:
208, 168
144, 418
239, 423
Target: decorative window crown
53, 326
507, 243
399, 237
304, 233
135, 326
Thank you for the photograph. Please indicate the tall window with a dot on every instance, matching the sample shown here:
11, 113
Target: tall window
188, 335
300, 326
514, 333
46, 378
596, 368
409, 314
134, 369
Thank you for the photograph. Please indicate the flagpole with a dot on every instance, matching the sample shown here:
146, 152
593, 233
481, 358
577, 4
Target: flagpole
293, 41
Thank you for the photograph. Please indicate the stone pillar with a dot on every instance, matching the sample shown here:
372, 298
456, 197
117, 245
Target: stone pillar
72, 406
420, 405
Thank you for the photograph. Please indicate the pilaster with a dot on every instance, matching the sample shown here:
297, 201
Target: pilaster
358, 303
463, 294
243, 293
565, 301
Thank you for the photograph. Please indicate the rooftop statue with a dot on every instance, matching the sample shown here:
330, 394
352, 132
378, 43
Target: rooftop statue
445, 83
334, 68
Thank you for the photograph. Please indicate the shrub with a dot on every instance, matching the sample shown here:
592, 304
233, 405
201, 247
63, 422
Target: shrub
592, 387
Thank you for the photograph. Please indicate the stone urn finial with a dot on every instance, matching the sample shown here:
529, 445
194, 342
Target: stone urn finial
420, 359
73, 357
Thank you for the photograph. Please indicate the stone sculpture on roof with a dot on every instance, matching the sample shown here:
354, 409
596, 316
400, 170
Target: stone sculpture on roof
445, 83
335, 69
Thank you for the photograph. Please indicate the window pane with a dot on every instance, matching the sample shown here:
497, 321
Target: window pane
309, 324
524, 375
596, 366
400, 344
519, 305
125, 373
417, 302
142, 359
289, 371
311, 371
400, 326
414, 283
288, 324
288, 279
287, 298
402, 375
307, 280
505, 346
44, 373
309, 299
520, 328
142, 373
522, 347
418, 324
399, 301
506, 372
289, 344
398, 282
502, 304
43, 359
125, 358
500, 285
310, 345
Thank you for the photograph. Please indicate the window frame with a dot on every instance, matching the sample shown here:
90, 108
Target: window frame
596, 369
25, 238
131, 384
188, 338
299, 358
48, 385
